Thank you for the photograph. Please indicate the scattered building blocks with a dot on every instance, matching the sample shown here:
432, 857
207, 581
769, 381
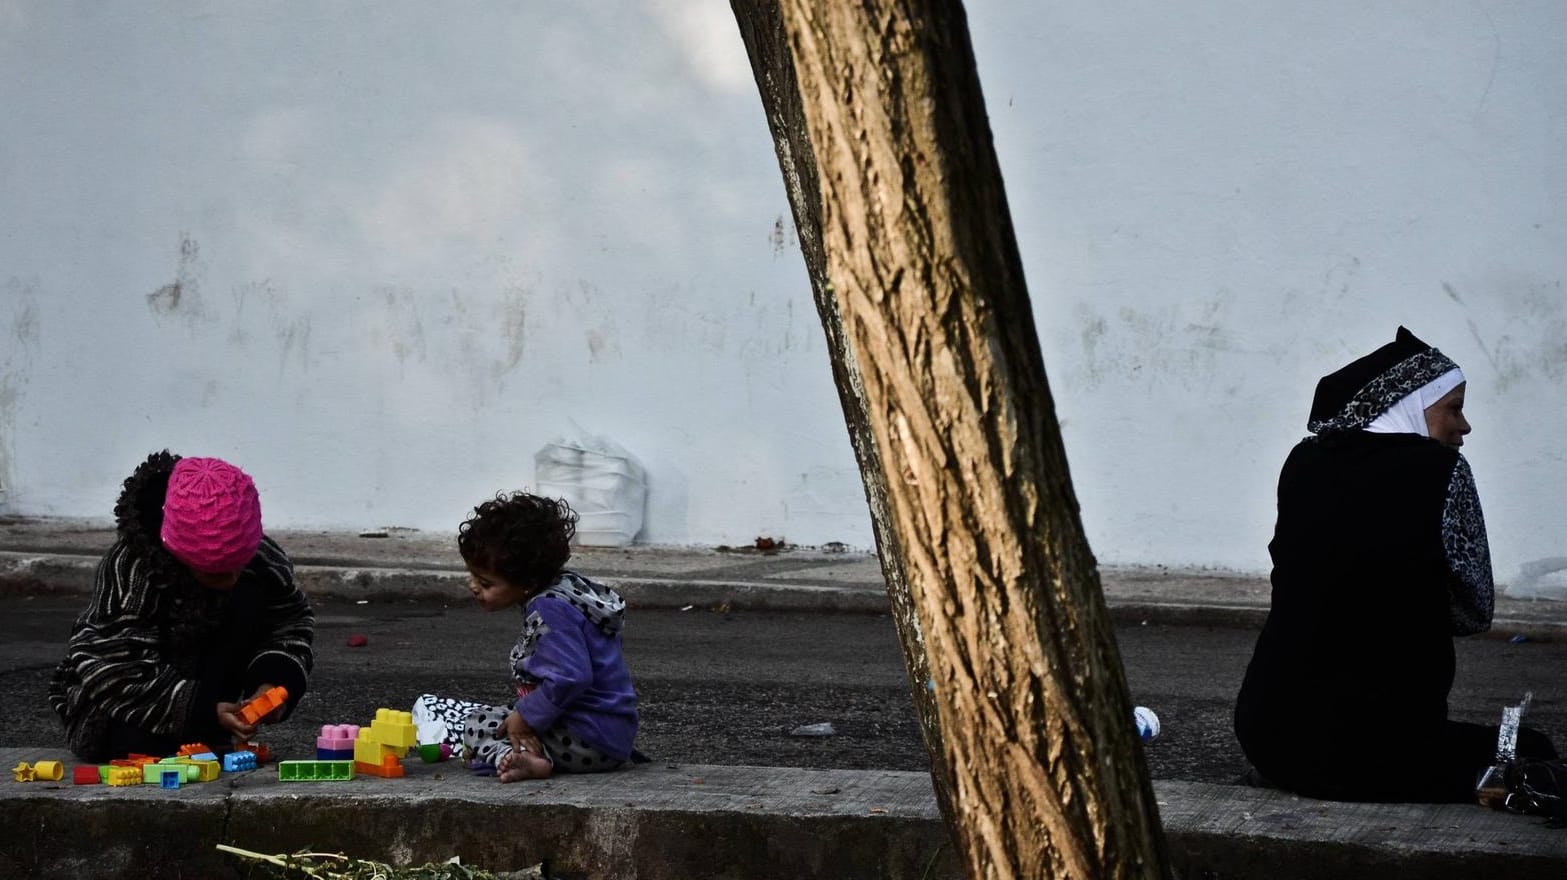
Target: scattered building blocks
388, 768
236, 762
85, 774
124, 776
168, 775
314, 771
196, 769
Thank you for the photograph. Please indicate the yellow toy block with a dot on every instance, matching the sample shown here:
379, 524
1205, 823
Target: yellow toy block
23, 772
53, 771
368, 750
123, 776
395, 728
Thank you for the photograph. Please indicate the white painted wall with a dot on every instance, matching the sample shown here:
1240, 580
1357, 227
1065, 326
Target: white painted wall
379, 255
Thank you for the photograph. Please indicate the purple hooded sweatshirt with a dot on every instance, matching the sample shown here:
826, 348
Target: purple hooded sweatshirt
568, 668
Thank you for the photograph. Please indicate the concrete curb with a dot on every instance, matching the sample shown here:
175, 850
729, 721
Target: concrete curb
35, 572
660, 821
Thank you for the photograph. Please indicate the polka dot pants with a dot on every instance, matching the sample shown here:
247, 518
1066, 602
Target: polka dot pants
475, 729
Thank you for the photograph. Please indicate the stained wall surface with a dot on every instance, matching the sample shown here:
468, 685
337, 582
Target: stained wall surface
381, 254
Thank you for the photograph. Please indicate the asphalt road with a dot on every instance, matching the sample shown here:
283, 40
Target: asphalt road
730, 688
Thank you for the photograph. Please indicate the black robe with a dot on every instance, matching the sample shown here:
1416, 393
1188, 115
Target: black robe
1379, 559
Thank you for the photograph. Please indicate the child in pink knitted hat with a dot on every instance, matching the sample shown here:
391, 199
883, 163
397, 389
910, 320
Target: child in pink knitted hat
194, 611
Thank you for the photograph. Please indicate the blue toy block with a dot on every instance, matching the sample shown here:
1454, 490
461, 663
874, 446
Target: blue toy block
334, 754
235, 762
171, 778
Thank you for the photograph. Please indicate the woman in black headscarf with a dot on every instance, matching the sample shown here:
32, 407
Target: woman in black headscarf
1379, 559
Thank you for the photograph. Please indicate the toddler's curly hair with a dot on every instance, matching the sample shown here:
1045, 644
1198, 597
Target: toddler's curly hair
524, 538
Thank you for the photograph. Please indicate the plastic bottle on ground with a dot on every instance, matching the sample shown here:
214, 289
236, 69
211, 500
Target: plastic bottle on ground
1147, 722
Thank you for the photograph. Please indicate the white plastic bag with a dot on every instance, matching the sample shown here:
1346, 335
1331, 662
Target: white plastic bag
602, 483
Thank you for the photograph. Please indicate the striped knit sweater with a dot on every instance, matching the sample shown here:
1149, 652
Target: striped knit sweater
135, 655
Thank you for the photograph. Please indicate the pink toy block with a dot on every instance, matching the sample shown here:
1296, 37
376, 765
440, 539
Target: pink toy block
337, 737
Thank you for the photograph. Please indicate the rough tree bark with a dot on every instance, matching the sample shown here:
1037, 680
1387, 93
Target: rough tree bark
922, 296
761, 26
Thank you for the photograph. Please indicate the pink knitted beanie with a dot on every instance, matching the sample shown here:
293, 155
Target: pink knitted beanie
211, 515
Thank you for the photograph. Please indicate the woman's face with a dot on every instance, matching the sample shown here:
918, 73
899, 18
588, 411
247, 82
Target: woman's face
1445, 420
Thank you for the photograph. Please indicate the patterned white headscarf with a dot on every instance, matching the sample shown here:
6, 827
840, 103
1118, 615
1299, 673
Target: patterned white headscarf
1408, 415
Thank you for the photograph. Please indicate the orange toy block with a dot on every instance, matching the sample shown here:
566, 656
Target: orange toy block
189, 749
389, 768
262, 705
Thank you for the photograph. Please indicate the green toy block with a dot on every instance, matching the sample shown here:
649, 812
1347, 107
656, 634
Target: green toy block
314, 771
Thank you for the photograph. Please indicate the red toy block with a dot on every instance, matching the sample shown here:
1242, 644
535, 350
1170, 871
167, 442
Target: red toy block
189, 749
85, 774
262, 705
263, 753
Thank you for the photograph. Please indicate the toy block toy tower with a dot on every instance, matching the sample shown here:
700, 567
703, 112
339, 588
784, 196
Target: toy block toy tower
380, 747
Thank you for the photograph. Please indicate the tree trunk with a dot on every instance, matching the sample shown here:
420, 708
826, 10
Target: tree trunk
761, 26
932, 337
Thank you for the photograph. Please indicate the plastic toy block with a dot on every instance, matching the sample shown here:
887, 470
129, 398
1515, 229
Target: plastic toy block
190, 749
168, 775
134, 760
263, 754
337, 738
236, 762
368, 750
432, 753
262, 704
314, 771
388, 768
124, 776
23, 772
394, 728
335, 754
53, 771
195, 770
85, 774
204, 756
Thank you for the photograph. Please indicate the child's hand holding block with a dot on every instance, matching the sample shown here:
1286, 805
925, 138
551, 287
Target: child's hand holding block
262, 705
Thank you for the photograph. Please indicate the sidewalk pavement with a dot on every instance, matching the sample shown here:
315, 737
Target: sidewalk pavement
60, 555
668, 821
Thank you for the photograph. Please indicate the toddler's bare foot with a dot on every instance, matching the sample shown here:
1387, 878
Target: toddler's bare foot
516, 766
